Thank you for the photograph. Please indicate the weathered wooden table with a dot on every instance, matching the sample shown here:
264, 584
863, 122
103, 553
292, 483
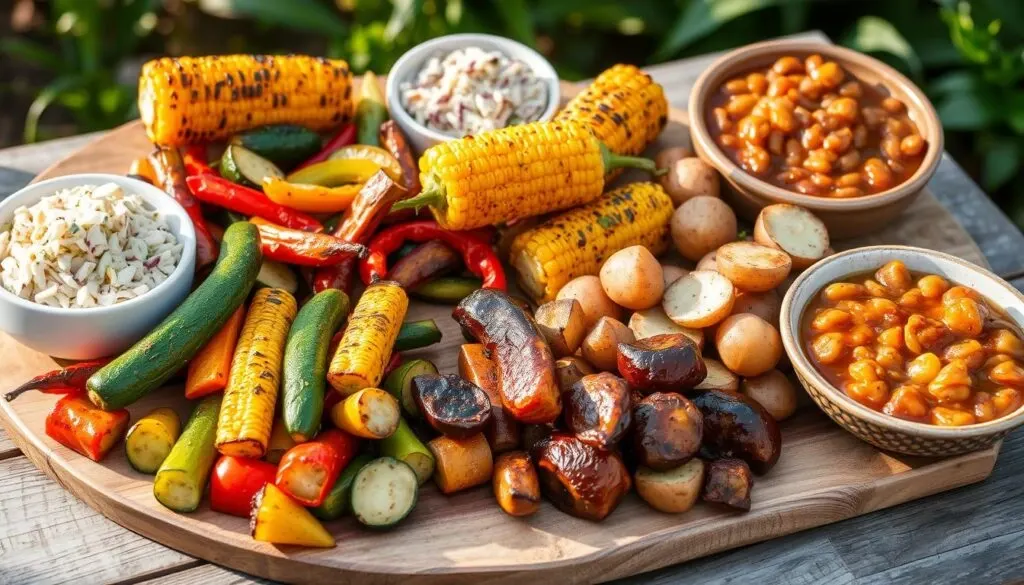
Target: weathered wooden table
970, 535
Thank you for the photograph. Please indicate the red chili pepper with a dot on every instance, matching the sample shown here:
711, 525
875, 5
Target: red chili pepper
196, 162
222, 192
304, 248
344, 137
308, 470
79, 425
170, 173
476, 252
235, 480
60, 381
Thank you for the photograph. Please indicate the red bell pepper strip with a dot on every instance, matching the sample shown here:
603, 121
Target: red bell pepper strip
304, 248
196, 162
222, 192
476, 251
308, 470
170, 174
370, 206
60, 381
234, 482
344, 137
79, 425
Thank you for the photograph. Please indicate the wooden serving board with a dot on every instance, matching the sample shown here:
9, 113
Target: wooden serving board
824, 475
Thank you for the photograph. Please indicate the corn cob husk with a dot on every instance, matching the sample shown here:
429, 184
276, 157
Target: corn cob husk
624, 107
577, 242
247, 413
201, 99
365, 346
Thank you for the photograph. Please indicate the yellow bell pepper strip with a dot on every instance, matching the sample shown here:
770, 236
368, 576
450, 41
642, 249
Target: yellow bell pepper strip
377, 155
351, 164
310, 198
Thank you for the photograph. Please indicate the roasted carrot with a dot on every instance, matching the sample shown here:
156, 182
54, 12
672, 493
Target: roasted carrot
293, 246
79, 425
208, 371
169, 169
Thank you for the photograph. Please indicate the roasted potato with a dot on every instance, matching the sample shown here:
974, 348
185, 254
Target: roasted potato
671, 273
667, 430
533, 434
701, 225
719, 377
588, 292
461, 463
599, 409
451, 405
663, 363
654, 321
569, 370
699, 299
688, 178
580, 479
516, 485
526, 366
728, 483
674, 490
600, 347
737, 426
774, 392
563, 324
708, 261
753, 267
765, 305
795, 231
668, 156
476, 366
632, 278
748, 345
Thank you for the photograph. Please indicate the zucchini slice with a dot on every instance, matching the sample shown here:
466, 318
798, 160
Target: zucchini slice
399, 383
384, 492
245, 167
276, 275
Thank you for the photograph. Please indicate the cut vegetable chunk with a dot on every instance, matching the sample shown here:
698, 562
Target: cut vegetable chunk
753, 267
795, 231
699, 299
370, 413
181, 479
654, 321
451, 405
278, 519
399, 384
461, 463
674, 490
369, 338
384, 492
405, 446
516, 485
563, 324
151, 439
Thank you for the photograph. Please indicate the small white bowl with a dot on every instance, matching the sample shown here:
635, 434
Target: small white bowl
406, 68
95, 332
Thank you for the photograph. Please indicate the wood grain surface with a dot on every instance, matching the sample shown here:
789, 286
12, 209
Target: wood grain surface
825, 474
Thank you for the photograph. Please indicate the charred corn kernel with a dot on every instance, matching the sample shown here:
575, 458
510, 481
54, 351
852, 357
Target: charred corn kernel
577, 242
202, 99
247, 413
515, 172
623, 106
365, 347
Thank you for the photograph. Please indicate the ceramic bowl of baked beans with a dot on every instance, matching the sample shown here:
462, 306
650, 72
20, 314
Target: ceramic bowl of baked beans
832, 130
911, 350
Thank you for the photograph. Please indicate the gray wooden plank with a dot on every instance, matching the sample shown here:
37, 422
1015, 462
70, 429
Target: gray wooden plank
940, 524
804, 558
7, 448
48, 536
35, 158
999, 560
207, 574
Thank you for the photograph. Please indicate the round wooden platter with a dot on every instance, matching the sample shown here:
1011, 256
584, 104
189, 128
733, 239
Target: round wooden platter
824, 475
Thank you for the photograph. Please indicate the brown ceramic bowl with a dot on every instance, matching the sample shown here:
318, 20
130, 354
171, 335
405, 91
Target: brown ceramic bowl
879, 429
843, 217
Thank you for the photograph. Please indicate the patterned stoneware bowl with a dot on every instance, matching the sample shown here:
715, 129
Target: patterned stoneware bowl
881, 430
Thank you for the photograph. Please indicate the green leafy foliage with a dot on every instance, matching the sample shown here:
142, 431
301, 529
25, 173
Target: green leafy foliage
968, 56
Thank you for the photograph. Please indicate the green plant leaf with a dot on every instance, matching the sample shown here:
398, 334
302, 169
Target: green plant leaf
403, 15
966, 111
954, 82
1002, 160
703, 17
518, 21
1015, 111
872, 34
31, 52
45, 98
301, 15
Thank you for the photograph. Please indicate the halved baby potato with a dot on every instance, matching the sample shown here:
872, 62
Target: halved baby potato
718, 378
699, 299
654, 321
753, 267
795, 231
675, 490
601, 346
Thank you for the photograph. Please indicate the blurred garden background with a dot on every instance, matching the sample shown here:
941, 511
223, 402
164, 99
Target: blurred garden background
69, 66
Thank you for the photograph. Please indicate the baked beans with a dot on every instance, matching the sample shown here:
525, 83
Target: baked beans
812, 115
916, 347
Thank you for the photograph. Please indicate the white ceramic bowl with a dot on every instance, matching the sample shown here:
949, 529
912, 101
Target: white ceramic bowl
882, 430
99, 331
406, 68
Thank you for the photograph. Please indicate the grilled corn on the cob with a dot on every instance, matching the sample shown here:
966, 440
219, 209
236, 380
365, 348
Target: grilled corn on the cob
247, 413
365, 347
515, 172
577, 242
624, 107
201, 99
